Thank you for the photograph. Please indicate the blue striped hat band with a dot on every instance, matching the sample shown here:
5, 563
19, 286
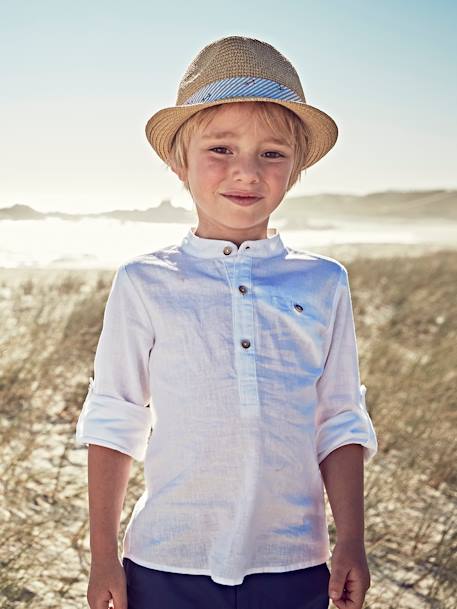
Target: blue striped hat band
243, 86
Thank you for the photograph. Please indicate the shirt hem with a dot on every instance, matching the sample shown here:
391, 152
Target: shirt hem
226, 581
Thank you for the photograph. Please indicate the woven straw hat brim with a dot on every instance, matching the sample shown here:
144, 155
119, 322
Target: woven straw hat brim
321, 128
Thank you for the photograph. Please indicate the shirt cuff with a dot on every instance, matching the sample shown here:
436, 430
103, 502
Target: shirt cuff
114, 423
352, 426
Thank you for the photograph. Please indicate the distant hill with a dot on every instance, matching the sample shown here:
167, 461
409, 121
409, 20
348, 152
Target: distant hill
165, 212
438, 204
294, 212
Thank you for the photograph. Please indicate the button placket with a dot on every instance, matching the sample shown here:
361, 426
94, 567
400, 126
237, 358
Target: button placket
244, 336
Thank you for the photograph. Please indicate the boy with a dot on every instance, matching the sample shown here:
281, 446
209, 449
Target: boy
245, 352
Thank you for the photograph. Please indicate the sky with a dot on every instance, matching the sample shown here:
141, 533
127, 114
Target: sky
79, 80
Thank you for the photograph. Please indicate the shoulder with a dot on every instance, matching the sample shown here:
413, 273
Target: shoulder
325, 266
140, 266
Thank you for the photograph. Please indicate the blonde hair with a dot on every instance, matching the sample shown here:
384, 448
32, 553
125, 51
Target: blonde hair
278, 118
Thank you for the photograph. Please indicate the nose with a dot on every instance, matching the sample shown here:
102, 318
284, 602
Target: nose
247, 168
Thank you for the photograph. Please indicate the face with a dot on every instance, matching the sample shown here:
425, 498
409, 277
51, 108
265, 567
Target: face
248, 160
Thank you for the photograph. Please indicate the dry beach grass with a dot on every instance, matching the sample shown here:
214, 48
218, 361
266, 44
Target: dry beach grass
404, 306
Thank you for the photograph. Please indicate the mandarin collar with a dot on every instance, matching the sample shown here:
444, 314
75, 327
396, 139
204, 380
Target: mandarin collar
203, 247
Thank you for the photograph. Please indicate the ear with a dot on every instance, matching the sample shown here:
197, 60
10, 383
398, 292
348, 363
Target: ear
179, 171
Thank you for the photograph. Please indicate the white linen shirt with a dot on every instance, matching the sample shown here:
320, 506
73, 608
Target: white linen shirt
247, 359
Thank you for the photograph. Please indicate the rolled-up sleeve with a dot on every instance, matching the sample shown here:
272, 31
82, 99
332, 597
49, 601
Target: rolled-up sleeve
342, 416
115, 412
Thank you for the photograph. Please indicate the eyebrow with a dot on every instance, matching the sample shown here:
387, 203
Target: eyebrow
222, 134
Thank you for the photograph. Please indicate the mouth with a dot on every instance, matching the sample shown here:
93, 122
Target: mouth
244, 201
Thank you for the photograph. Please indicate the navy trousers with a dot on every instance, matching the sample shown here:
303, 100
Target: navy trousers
153, 589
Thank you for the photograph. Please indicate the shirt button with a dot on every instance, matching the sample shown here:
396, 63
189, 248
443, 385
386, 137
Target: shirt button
246, 343
227, 250
243, 289
298, 307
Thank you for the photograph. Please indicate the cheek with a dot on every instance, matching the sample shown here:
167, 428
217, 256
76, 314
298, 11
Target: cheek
215, 164
279, 174
206, 176
212, 169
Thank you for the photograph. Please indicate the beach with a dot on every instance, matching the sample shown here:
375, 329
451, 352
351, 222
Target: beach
404, 308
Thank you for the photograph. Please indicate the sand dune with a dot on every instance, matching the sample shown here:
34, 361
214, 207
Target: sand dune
404, 307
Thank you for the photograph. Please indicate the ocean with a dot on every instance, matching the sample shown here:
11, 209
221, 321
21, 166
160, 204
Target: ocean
106, 243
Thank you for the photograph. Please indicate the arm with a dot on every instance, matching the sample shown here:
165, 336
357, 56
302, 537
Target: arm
345, 441
115, 413
341, 414
108, 475
342, 472
115, 424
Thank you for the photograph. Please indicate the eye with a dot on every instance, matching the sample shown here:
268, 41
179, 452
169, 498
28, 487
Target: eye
268, 152
219, 148
274, 152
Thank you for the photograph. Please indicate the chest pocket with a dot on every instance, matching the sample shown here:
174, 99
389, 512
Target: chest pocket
298, 312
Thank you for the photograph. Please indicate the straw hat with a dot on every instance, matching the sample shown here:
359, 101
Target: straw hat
240, 69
